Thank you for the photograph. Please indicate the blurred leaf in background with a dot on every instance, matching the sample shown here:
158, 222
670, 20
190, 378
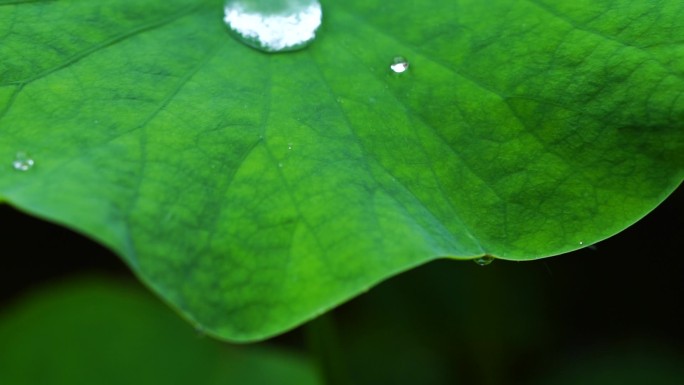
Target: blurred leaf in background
100, 331
447, 323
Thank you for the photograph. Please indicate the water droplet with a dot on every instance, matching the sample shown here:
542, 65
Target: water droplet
274, 25
399, 65
200, 332
289, 146
23, 161
280, 164
484, 261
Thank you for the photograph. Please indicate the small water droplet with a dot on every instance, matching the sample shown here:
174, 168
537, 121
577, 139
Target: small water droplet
280, 164
274, 25
289, 146
200, 332
23, 161
484, 261
399, 65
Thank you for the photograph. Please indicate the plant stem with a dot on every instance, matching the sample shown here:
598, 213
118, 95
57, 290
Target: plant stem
324, 346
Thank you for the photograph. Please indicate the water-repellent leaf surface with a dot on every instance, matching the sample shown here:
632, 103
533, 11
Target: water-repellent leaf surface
254, 191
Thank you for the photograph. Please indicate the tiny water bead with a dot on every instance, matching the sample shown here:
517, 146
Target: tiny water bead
274, 25
23, 161
484, 261
399, 65
200, 332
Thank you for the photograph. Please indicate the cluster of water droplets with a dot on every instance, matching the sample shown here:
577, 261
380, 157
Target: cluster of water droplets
22, 161
281, 25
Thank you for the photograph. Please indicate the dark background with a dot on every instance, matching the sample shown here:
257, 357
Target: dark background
454, 321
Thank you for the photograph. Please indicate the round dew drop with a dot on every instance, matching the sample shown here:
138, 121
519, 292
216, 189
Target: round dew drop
399, 65
484, 261
274, 25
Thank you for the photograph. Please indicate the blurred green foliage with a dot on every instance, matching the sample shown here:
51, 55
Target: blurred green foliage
100, 331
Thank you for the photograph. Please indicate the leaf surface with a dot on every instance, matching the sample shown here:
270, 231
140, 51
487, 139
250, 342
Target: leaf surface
255, 191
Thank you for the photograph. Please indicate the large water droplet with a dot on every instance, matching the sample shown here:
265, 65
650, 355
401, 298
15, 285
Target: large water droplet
399, 65
274, 25
484, 261
23, 161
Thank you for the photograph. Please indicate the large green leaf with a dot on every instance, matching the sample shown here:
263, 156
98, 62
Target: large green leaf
253, 191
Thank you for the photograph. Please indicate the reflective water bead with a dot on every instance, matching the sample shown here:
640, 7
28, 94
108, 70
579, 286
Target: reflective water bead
399, 65
274, 25
484, 261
